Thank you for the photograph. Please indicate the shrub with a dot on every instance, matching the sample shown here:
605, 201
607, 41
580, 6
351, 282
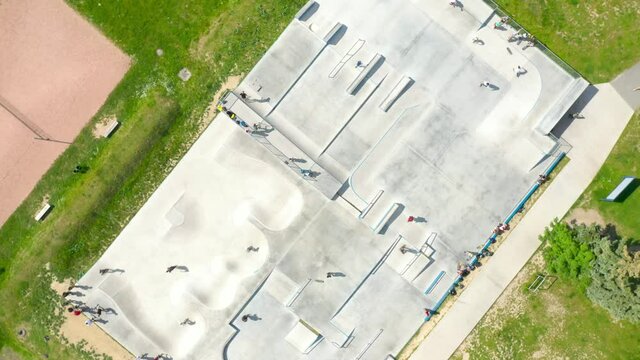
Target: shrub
616, 279
568, 253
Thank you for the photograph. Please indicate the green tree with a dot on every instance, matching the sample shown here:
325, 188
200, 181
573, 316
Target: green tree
567, 252
615, 278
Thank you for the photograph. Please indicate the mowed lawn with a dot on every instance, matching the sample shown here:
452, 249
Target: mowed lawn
599, 38
556, 323
161, 117
624, 160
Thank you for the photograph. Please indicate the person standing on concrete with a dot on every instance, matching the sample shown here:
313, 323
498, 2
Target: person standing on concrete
104, 271
98, 310
455, 4
485, 84
404, 249
171, 268
243, 95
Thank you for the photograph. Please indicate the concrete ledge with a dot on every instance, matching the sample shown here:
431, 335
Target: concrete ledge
561, 106
333, 36
308, 7
365, 74
396, 92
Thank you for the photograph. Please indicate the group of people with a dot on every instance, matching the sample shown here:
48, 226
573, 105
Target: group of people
501, 228
243, 124
96, 313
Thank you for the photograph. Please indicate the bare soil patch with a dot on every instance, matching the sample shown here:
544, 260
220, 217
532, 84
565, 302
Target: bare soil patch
75, 331
230, 83
56, 71
586, 216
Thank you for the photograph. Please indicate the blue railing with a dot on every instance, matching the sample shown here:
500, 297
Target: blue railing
493, 236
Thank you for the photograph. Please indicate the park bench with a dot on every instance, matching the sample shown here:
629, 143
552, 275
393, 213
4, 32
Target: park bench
40, 215
110, 128
627, 183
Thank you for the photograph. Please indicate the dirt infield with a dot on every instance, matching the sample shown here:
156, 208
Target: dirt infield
56, 70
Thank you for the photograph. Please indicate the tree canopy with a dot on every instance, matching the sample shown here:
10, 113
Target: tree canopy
600, 263
568, 253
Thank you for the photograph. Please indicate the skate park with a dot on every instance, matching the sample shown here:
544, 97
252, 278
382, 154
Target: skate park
298, 223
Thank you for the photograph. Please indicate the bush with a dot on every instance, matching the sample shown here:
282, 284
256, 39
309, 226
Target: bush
568, 253
616, 279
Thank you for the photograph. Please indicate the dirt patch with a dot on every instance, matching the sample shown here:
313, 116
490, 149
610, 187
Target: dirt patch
75, 331
230, 83
586, 216
7, 353
56, 71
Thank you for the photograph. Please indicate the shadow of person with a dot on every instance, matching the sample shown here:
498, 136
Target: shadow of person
262, 100
182, 268
494, 87
254, 317
111, 311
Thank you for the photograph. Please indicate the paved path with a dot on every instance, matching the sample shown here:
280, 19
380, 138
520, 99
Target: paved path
626, 83
606, 115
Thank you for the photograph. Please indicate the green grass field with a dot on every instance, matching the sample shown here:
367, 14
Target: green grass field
558, 323
598, 38
161, 116
623, 160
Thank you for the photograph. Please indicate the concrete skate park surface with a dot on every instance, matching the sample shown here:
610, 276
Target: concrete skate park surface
407, 131
56, 70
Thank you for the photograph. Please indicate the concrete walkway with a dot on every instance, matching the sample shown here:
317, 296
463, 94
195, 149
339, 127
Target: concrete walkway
626, 85
606, 115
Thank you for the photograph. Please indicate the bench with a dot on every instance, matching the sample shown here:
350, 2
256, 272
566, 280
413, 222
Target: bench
110, 128
627, 183
40, 215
